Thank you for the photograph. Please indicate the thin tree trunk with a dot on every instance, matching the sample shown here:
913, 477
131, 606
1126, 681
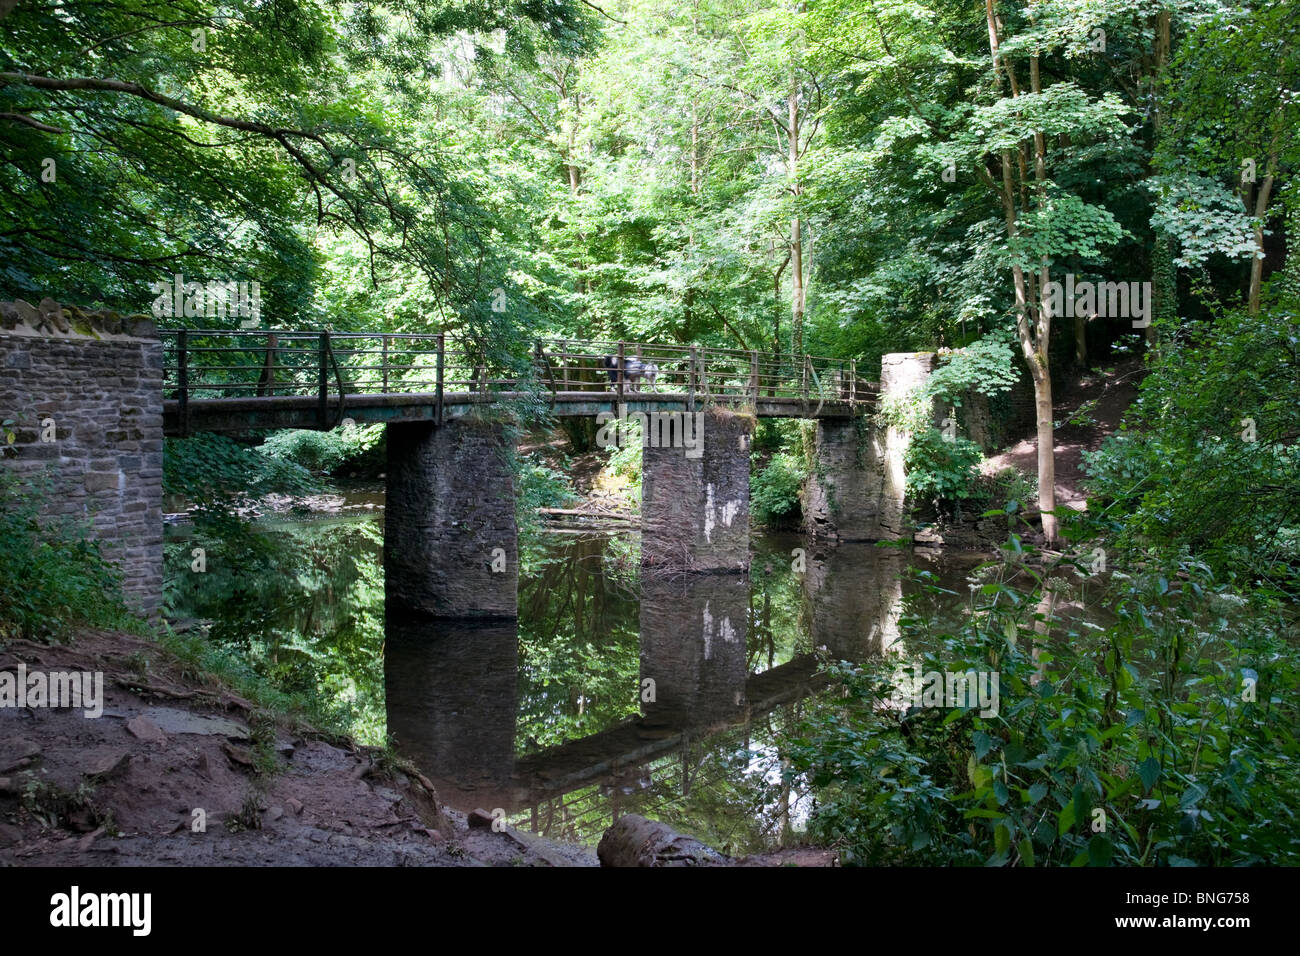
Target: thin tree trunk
796, 235
1261, 209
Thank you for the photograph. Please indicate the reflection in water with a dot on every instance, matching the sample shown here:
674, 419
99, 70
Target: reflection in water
694, 735
451, 694
693, 658
854, 596
545, 718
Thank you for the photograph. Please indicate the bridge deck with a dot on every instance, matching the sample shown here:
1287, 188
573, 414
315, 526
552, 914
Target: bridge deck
240, 380
303, 411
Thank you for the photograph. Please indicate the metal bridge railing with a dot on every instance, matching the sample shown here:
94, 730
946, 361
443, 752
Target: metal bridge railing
201, 364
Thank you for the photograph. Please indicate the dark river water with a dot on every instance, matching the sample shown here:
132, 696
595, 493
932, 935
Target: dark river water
615, 692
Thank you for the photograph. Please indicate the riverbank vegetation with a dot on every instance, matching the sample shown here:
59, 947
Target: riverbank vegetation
847, 178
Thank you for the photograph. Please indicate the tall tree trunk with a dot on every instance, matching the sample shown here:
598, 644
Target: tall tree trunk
1164, 277
1033, 318
796, 233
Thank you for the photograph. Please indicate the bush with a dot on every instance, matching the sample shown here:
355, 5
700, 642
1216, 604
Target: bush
774, 492
323, 452
942, 470
1208, 461
53, 576
1175, 726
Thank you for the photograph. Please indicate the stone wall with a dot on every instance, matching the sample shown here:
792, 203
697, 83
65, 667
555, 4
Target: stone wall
857, 487
450, 541
85, 392
695, 510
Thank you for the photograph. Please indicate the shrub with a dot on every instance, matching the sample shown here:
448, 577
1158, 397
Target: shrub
323, 452
774, 492
53, 576
1174, 727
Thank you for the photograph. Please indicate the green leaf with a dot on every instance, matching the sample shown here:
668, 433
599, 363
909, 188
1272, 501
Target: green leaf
1026, 850
1149, 772
1065, 819
1100, 850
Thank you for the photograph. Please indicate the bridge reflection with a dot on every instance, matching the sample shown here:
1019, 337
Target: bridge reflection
712, 677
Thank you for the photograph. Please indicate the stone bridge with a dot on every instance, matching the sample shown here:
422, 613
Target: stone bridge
90, 396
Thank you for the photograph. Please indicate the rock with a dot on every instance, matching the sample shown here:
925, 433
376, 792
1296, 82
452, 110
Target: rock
238, 755
53, 315
8, 315
636, 841
10, 835
173, 720
81, 821
27, 313
294, 804
145, 729
141, 326
17, 753
275, 813
106, 765
84, 843
7, 786
433, 834
480, 819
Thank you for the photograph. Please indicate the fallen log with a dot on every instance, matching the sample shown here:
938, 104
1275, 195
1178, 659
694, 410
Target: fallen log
578, 513
635, 841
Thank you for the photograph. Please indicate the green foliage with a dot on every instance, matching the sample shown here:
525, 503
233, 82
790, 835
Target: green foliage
54, 577
986, 366
323, 452
220, 475
296, 614
1207, 459
942, 470
774, 492
942, 466
538, 486
1174, 726
625, 460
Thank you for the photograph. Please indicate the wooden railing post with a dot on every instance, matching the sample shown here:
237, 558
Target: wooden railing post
620, 374
183, 380
753, 375
853, 383
804, 388
437, 404
322, 401
384, 340
690, 401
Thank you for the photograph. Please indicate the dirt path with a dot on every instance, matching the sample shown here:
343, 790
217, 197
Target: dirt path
1102, 396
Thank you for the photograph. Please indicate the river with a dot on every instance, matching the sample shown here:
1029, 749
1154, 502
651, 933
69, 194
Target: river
615, 691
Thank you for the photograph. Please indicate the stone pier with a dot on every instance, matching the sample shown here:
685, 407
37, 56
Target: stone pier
450, 547
695, 500
84, 393
857, 488
693, 638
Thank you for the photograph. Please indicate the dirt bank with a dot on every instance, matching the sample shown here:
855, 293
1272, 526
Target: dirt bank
178, 770
123, 788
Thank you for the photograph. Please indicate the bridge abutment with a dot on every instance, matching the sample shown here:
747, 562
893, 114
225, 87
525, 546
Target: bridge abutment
857, 489
695, 499
450, 540
84, 393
